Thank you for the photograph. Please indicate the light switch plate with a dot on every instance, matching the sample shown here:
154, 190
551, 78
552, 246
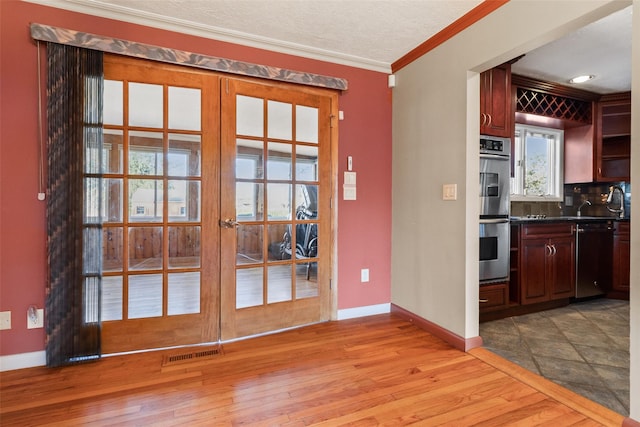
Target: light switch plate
449, 191
349, 178
364, 275
349, 192
5, 320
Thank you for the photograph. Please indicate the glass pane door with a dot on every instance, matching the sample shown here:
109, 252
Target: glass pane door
157, 275
275, 222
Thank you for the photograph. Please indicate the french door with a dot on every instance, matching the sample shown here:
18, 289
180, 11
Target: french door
275, 210
211, 227
160, 254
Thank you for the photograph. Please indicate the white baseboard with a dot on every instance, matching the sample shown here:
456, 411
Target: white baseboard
39, 358
369, 310
23, 360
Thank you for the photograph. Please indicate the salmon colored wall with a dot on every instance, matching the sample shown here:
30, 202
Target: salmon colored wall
364, 225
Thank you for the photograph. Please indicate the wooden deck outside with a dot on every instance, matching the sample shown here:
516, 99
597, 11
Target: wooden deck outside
378, 370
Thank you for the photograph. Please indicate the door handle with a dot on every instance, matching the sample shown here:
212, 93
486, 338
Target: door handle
228, 223
494, 221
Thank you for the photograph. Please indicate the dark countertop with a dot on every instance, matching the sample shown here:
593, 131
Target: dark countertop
525, 220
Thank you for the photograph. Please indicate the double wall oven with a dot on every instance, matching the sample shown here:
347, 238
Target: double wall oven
494, 208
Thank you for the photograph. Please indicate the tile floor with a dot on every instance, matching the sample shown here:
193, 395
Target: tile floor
583, 347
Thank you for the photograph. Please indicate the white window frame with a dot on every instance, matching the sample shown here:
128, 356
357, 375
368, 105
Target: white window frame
555, 153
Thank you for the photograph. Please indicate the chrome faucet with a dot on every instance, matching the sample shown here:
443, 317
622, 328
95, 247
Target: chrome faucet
620, 209
586, 202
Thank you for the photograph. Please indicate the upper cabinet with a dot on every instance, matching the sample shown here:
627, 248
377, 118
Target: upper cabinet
597, 128
496, 115
613, 138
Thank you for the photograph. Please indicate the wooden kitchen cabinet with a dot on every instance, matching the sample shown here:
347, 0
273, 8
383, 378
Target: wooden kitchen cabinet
621, 260
496, 115
494, 296
547, 263
613, 138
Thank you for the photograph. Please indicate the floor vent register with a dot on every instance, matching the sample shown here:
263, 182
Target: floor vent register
192, 356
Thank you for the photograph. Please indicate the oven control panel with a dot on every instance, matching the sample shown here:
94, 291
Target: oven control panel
495, 145
491, 145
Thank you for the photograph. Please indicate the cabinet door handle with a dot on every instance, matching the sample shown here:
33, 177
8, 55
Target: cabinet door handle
484, 119
548, 248
554, 249
489, 116
484, 300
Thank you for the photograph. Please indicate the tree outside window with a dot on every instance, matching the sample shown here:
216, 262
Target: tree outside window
538, 173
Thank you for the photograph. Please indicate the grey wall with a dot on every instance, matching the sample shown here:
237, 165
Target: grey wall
435, 142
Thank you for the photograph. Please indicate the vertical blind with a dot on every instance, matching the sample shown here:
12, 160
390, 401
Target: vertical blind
74, 207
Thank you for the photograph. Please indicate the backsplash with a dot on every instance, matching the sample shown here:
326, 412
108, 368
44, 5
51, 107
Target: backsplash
574, 196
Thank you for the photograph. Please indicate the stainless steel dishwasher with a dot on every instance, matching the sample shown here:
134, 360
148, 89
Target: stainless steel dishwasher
594, 254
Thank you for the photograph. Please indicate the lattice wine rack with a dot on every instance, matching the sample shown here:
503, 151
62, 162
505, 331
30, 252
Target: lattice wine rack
559, 107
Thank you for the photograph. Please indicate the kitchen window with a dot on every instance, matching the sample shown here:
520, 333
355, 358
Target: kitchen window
538, 165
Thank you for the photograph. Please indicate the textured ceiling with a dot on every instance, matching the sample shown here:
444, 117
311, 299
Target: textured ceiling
371, 34
602, 49
370, 30
365, 33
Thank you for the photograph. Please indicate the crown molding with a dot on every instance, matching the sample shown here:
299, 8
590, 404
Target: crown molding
125, 14
459, 25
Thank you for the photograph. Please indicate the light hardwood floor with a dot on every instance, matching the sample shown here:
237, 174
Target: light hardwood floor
378, 370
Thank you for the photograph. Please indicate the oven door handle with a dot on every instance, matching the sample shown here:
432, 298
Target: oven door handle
494, 157
494, 221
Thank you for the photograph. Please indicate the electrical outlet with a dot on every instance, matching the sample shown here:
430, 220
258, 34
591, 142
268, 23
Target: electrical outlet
5, 320
35, 319
364, 275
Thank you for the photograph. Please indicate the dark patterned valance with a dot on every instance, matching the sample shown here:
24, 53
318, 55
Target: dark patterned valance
180, 57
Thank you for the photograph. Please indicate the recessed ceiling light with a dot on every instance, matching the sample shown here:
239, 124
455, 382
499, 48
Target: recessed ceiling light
581, 79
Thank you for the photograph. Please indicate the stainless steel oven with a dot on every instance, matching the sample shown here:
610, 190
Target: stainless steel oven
494, 208
494, 176
494, 249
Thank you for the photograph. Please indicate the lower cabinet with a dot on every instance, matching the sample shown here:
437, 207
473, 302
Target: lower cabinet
547, 263
621, 259
543, 270
494, 296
